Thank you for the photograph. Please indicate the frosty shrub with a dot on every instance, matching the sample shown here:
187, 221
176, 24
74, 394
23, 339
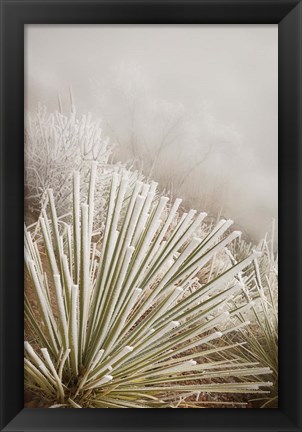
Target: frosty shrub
55, 146
120, 318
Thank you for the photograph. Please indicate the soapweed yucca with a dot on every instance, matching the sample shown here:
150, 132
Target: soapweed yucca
122, 319
260, 283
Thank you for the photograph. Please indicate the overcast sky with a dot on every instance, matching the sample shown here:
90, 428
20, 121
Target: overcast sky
231, 68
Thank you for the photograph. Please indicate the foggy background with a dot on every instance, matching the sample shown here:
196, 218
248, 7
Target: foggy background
193, 107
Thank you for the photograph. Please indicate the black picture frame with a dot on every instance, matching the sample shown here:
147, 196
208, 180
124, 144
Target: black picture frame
17, 13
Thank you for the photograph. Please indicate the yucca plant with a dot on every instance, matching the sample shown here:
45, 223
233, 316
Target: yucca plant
119, 318
261, 337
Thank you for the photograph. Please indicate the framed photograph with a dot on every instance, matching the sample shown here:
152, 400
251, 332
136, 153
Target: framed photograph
151, 155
